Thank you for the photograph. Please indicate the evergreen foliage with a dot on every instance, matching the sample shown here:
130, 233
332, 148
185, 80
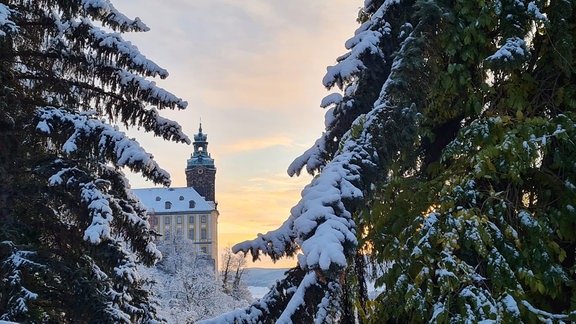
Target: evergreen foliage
450, 158
71, 232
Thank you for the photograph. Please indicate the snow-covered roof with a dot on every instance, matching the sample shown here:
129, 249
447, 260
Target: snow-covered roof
155, 199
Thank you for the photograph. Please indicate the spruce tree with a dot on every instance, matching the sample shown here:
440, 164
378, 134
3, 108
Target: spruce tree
456, 179
71, 231
321, 224
478, 228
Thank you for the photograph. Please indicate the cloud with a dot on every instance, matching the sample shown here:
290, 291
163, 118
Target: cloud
251, 54
281, 181
255, 144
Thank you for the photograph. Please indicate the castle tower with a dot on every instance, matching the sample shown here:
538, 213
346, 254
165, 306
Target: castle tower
200, 169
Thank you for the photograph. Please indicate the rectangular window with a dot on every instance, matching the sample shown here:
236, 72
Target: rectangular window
167, 220
179, 220
191, 234
179, 232
203, 234
166, 235
191, 219
203, 218
204, 250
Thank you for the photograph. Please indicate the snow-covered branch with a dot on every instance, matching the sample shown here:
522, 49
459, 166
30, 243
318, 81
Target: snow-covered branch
100, 211
321, 223
148, 90
113, 42
12, 268
7, 25
109, 141
110, 16
364, 41
365, 52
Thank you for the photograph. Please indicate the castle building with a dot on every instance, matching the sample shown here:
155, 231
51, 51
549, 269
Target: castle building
189, 212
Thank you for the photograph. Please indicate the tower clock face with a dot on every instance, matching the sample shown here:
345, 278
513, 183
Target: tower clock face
200, 171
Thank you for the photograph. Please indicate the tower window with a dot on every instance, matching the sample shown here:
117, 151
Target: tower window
191, 204
167, 205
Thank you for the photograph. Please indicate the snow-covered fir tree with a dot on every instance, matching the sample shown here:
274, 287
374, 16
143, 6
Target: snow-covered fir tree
447, 163
71, 232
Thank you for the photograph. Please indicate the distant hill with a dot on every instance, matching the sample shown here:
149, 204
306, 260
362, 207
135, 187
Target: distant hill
260, 277
259, 280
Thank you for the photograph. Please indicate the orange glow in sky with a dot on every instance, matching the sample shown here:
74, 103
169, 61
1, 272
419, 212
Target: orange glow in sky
251, 71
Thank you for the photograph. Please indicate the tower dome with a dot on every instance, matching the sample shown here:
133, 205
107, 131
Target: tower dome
200, 169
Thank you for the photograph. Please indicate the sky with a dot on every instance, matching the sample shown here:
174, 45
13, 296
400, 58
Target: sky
251, 72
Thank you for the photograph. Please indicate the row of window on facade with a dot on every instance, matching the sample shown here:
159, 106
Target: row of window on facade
168, 219
191, 234
168, 204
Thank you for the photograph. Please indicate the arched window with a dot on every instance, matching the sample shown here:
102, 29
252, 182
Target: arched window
191, 204
167, 205
181, 198
158, 198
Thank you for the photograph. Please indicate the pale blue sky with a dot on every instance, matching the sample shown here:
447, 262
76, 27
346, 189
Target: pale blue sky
252, 71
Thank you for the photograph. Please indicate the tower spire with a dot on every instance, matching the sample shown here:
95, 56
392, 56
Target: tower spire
200, 169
